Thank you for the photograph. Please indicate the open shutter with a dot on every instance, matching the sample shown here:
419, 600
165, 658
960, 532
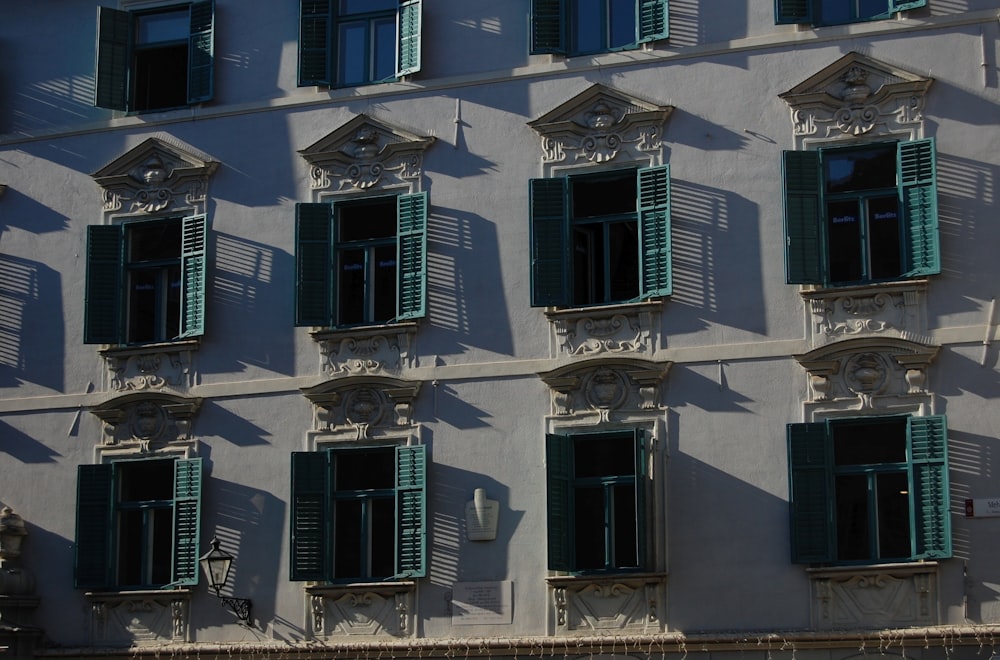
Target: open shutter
411, 255
918, 189
411, 511
313, 250
810, 506
94, 502
102, 304
654, 232
558, 462
193, 267
653, 21
547, 27
641, 520
201, 52
549, 243
408, 31
187, 520
793, 11
315, 34
803, 232
112, 59
310, 515
900, 5
929, 487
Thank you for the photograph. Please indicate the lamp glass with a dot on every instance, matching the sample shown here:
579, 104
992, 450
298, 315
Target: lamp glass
216, 565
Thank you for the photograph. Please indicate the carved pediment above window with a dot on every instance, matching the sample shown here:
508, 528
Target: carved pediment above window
365, 153
610, 390
358, 408
598, 125
147, 421
857, 96
156, 176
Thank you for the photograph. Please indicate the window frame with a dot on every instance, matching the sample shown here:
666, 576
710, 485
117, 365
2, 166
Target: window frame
792, 12
550, 26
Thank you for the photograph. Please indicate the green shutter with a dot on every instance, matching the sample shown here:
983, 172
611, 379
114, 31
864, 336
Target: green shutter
547, 27
558, 466
654, 232
411, 511
193, 267
187, 520
549, 242
102, 304
653, 20
900, 5
310, 516
640, 497
793, 11
201, 52
810, 502
315, 35
313, 276
918, 190
112, 59
94, 493
408, 30
929, 487
803, 231
411, 256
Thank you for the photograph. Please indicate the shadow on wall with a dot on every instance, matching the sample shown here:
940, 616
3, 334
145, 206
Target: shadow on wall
693, 23
22, 447
32, 330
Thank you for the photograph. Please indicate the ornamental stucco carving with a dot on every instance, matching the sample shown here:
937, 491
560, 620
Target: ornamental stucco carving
383, 350
369, 610
888, 310
875, 597
605, 331
616, 604
146, 421
359, 408
606, 390
150, 368
140, 618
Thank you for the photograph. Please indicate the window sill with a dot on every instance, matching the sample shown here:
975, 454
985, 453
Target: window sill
873, 287
125, 351
554, 313
139, 594
569, 581
898, 568
325, 334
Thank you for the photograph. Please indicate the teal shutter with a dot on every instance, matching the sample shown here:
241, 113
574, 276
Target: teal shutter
810, 502
310, 516
201, 52
94, 493
187, 520
654, 232
408, 31
315, 37
112, 59
558, 466
900, 5
549, 242
102, 304
918, 189
193, 268
641, 518
547, 27
931, 522
793, 11
411, 511
313, 274
411, 256
803, 230
653, 21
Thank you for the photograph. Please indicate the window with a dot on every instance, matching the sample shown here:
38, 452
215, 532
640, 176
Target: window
861, 214
600, 238
357, 42
834, 12
361, 261
581, 27
145, 281
137, 524
869, 490
359, 513
155, 59
596, 501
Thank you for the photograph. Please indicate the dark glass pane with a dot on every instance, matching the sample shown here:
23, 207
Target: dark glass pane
870, 168
587, 33
384, 51
622, 31
366, 6
869, 443
844, 233
601, 455
588, 264
143, 304
383, 532
590, 528
624, 527
172, 321
852, 517
351, 290
367, 221
594, 197
352, 53
143, 481
154, 241
893, 502
623, 260
871, 9
836, 11
130, 538
160, 77
385, 283
160, 554
364, 470
163, 26
884, 238
347, 541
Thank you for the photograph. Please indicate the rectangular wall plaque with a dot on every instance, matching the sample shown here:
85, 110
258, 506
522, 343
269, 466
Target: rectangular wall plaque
481, 602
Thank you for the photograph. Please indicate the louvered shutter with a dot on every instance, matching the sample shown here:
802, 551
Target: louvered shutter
94, 503
112, 59
193, 275
549, 242
803, 231
641, 519
558, 464
929, 487
315, 36
102, 302
408, 30
653, 20
918, 189
411, 255
201, 52
310, 516
900, 5
547, 35
411, 511
653, 207
187, 520
810, 503
793, 11
313, 274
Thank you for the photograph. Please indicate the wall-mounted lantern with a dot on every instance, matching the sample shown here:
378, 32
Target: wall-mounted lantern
216, 564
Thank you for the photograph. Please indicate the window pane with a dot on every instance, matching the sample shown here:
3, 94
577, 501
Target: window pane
383, 533
845, 247
590, 529
366, 6
163, 26
869, 443
142, 305
603, 196
871, 9
852, 517
160, 552
884, 237
870, 168
142, 481
587, 26
604, 456
623, 260
893, 502
384, 51
385, 284
351, 286
623, 31
624, 527
154, 241
588, 264
347, 541
364, 470
130, 536
172, 318
352, 55
367, 220
836, 11
160, 78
